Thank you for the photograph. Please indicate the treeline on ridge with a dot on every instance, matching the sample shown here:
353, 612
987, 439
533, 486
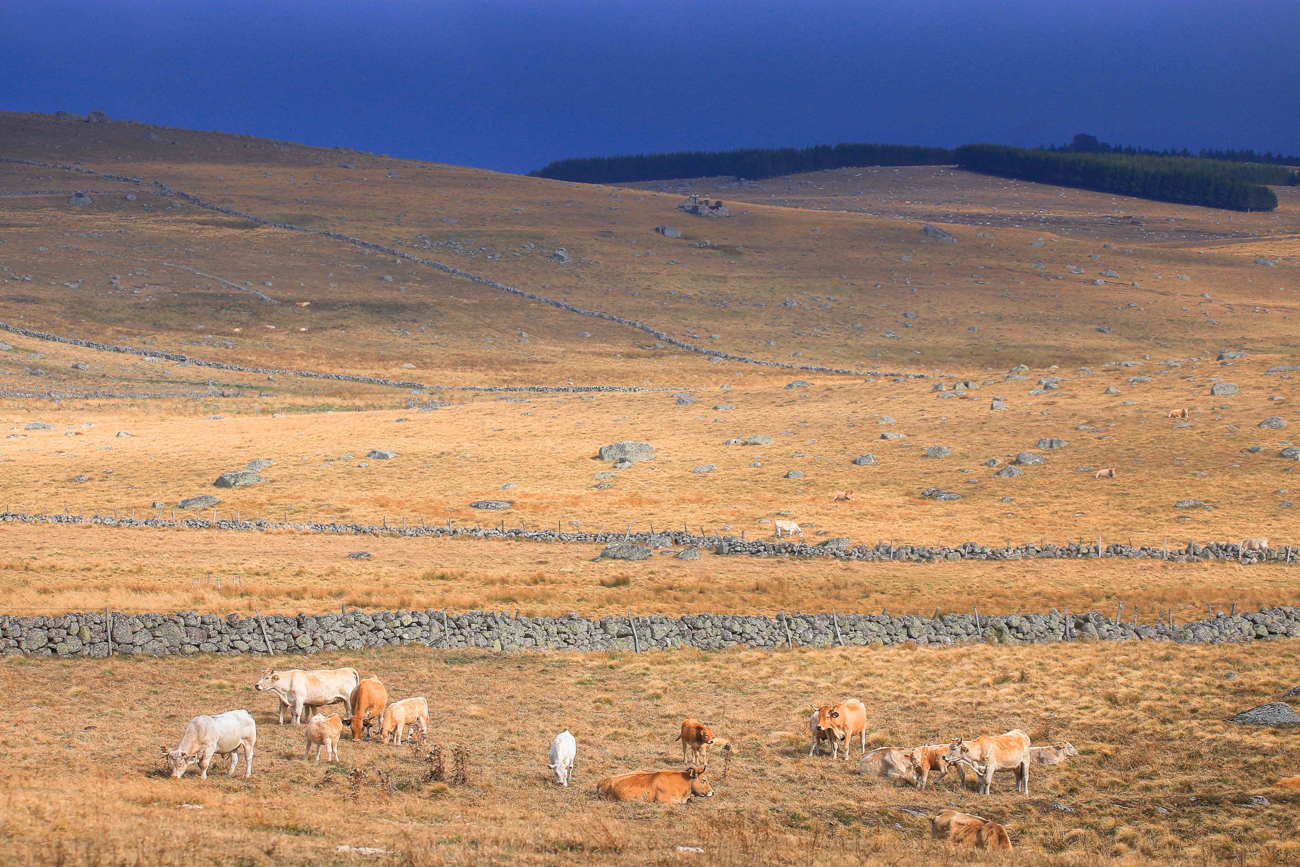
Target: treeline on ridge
750, 163
1090, 144
1185, 180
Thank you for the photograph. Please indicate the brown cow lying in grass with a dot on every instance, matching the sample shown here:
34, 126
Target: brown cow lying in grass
1177, 413
1105, 473
963, 829
1052, 755
844, 497
995, 753
661, 787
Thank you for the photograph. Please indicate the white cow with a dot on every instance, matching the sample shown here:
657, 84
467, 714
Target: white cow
298, 689
206, 736
563, 750
788, 528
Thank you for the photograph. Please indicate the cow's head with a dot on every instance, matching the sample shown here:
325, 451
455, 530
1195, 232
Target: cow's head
706, 733
916, 758
830, 718
700, 787
1067, 749
269, 680
561, 773
823, 715
957, 751
178, 762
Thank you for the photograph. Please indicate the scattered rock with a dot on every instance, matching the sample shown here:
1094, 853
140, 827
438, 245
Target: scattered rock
691, 553
81, 478
381, 455
1273, 421
1019, 370
1110, 389
686, 400
864, 460
794, 474
1221, 389
80, 365
940, 495
759, 440
626, 551
938, 452
1029, 459
1105, 329
256, 465
1189, 504
80, 199
562, 256
122, 433
1275, 713
629, 451
938, 234
1231, 355
799, 383
38, 425
206, 501
622, 465
835, 542
97, 116
1290, 452
668, 231
491, 505
724, 407
886, 419
998, 404
1267, 263
704, 468
359, 555
704, 208
1009, 472
1052, 443
892, 435
238, 479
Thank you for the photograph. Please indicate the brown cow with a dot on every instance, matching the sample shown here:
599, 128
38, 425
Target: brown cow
695, 737
927, 759
366, 704
995, 753
1105, 473
1052, 755
1288, 783
844, 497
1177, 413
843, 721
662, 787
963, 829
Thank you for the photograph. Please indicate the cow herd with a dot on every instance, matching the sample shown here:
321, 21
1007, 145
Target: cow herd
832, 727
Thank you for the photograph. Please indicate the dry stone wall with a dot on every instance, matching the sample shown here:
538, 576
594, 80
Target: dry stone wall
186, 634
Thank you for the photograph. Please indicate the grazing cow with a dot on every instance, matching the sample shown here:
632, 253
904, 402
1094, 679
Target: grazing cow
323, 732
995, 753
927, 759
1288, 783
1177, 413
662, 787
844, 497
1106, 473
298, 689
963, 829
1260, 545
1052, 755
788, 528
224, 734
365, 705
817, 734
695, 738
843, 721
891, 763
400, 714
563, 750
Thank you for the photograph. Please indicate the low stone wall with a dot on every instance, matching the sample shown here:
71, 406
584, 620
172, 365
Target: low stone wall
87, 635
837, 549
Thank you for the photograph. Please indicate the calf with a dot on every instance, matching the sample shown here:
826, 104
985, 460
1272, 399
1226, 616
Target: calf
407, 712
1106, 473
927, 759
817, 734
563, 750
788, 528
323, 732
1052, 755
1177, 413
695, 738
843, 721
224, 734
366, 703
844, 497
298, 689
995, 753
963, 829
662, 787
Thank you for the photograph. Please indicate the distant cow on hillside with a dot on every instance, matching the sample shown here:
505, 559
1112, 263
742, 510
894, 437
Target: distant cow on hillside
963, 829
844, 497
787, 528
1105, 473
1177, 413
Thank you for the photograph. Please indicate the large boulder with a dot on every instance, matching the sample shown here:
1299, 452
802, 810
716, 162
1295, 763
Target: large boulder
1223, 389
381, 455
238, 479
1052, 443
668, 231
1273, 421
1029, 459
938, 234
206, 501
1275, 713
79, 199
629, 451
626, 551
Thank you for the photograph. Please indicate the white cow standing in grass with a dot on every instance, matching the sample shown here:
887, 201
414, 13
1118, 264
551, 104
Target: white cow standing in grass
206, 736
787, 528
298, 689
563, 750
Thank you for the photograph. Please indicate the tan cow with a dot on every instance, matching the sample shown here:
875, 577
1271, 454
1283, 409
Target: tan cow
1177, 413
925, 760
816, 733
1105, 473
661, 787
1260, 545
298, 689
788, 528
365, 705
843, 721
400, 714
696, 738
324, 732
995, 753
1052, 755
890, 763
963, 829
844, 497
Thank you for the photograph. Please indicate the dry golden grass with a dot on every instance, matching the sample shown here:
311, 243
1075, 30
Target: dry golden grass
82, 784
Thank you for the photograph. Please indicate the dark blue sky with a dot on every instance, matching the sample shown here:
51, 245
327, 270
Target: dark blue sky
512, 85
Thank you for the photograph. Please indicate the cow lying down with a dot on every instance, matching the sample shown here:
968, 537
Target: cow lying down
662, 787
918, 766
975, 832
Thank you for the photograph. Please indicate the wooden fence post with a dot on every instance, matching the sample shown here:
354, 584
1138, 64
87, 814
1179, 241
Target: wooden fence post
835, 618
108, 620
789, 639
266, 638
636, 641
